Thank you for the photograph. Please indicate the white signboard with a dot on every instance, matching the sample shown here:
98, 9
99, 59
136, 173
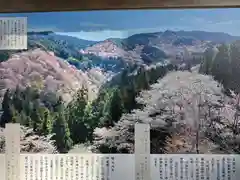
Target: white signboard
13, 33
142, 152
12, 151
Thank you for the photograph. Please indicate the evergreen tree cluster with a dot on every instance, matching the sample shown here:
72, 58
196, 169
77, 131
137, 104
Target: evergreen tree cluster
30, 108
223, 64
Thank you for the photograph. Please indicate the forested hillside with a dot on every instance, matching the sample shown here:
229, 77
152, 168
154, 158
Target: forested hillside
187, 113
74, 123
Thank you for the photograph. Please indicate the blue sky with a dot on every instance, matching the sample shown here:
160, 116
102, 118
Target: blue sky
100, 25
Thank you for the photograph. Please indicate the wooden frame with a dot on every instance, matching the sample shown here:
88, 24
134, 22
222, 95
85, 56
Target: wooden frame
74, 5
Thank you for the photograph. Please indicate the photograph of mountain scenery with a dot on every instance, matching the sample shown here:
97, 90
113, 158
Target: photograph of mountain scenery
88, 77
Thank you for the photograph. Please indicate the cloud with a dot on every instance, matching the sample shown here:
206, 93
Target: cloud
195, 20
37, 29
90, 24
96, 35
212, 24
200, 21
228, 22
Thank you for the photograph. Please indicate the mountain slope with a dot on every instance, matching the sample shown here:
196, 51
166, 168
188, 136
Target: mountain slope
73, 41
109, 49
45, 71
79, 43
62, 46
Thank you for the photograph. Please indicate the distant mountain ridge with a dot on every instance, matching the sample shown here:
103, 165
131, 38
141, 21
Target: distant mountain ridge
199, 35
140, 48
219, 37
141, 38
74, 41
157, 46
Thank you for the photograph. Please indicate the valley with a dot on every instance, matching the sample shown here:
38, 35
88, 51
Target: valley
73, 95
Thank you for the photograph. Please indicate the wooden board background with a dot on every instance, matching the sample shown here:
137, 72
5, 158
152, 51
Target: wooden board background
72, 5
